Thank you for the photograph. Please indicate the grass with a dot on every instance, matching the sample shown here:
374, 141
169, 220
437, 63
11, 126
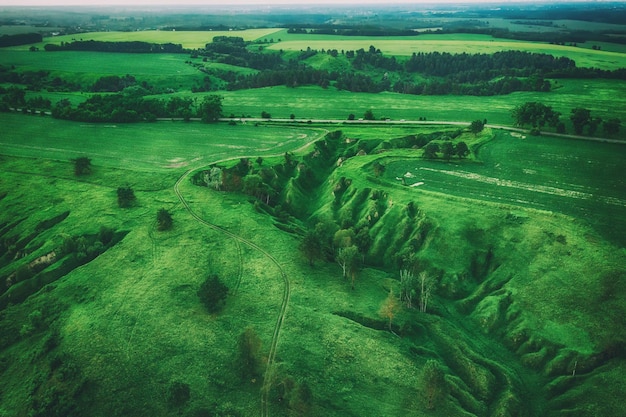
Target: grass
163, 146
546, 173
188, 39
456, 44
601, 96
131, 322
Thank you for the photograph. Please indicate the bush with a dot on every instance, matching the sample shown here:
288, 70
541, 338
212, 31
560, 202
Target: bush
164, 220
125, 197
213, 294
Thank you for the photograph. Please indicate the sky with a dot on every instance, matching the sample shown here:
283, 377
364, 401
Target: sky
235, 2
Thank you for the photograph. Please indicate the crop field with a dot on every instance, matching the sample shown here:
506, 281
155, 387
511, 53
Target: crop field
457, 44
580, 179
188, 39
156, 146
607, 98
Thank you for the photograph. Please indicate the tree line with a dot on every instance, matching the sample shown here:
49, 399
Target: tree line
125, 108
132, 47
538, 115
20, 39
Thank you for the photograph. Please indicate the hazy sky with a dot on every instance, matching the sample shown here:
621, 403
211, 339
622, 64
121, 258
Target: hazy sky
235, 2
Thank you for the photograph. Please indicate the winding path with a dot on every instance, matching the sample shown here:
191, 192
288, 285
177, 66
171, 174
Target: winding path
240, 240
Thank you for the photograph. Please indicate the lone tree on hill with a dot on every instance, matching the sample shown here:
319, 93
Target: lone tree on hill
82, 165
434, 383
389, 308
125, 197
311, 246
249, 360
210, 109
477, 126
164, 220
212, 294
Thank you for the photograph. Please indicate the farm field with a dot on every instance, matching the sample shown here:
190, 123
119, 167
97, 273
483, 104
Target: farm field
157, 146
603, 96
188, 39
579, 179
456, 44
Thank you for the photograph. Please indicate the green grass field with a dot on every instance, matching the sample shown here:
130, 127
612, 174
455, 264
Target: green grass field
603, 97
189, 39
455, 44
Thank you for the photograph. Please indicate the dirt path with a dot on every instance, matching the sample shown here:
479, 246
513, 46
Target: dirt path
239, 241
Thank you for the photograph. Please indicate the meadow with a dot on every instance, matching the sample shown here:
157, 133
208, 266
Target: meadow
451, 43
188, 39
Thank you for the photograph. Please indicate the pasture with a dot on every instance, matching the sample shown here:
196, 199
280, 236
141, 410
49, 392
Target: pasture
580, 179
188, 39
146, 146
605, 98
456, 44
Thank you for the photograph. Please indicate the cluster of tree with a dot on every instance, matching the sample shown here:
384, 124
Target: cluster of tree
537, 115
233, 50
36, 80
447, 150
132, 47
127, 108
469, 68
20, 39
500, 86
113, 83
350, 30
584, 123
293, 76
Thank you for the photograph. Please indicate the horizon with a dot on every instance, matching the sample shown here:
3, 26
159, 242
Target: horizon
152, 3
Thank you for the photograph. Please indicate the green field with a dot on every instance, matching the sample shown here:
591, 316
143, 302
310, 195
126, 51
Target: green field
157, 146
188, 39
456, 44
603, 97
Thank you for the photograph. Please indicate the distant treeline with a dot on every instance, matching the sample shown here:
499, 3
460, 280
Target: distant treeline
464, 74
133, 47
20, 39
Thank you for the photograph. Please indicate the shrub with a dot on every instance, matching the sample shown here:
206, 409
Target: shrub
164, 220
213, 294
125, 197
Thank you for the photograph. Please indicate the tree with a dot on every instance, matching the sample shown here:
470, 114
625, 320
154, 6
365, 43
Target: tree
477, 126
611, 127
426, 284
389, 308
212, 293
434, 383
248, 359
430, 150
265, 115
210, 109
461, 149
369, 115
82, 165
447, 149
164, 220
311, 246
348, 259
535, 114
125, 197
407, 286
351, 116
580, 118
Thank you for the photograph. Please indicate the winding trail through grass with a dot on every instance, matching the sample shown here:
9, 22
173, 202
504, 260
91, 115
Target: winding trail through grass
283, 275
241, 240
